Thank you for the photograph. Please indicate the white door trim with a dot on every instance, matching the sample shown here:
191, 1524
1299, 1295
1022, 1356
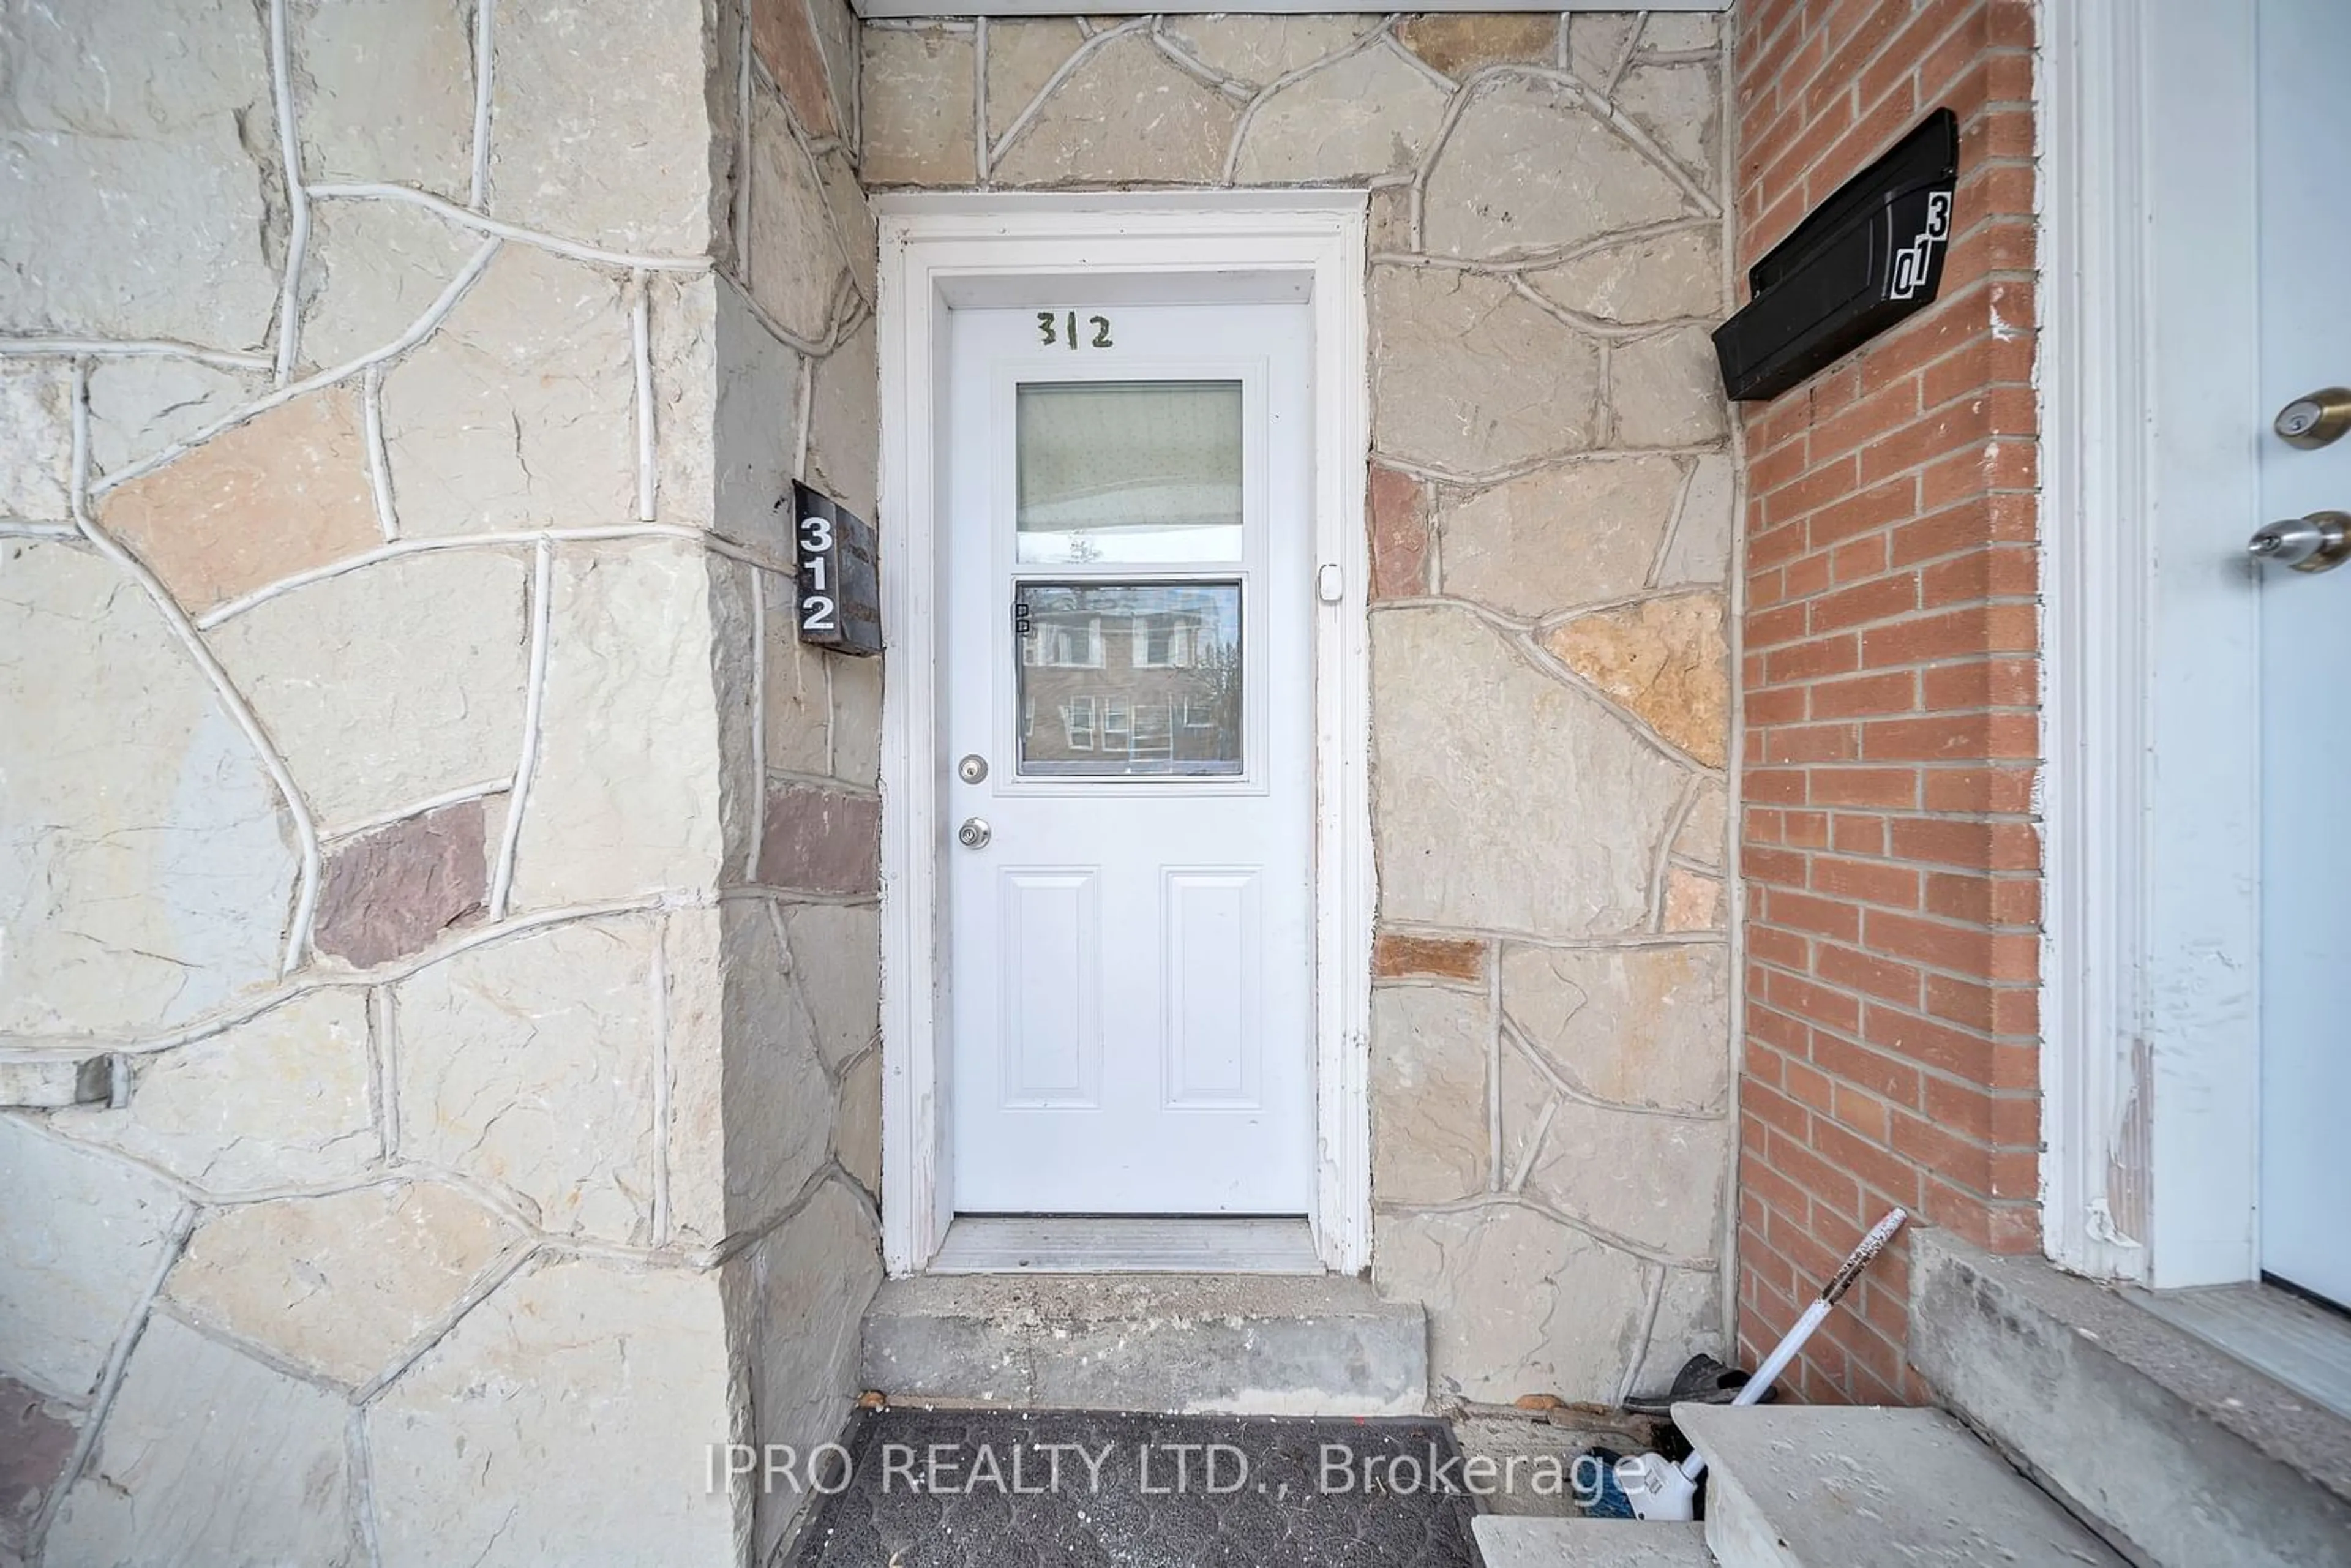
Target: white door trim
934, 242
2148, 368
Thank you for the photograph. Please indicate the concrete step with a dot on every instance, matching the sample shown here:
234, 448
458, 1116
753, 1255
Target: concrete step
2181, 1453
1251, 1344
1588, 1543
1816, 1486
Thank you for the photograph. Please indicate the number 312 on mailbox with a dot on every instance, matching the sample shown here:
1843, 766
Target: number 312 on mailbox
840, 594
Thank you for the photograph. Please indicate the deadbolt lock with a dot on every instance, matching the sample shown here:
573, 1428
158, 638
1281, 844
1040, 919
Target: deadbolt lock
972, 770
2319, 542
2313, 419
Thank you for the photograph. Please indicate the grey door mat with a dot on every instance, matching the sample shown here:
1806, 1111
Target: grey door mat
1268, 1498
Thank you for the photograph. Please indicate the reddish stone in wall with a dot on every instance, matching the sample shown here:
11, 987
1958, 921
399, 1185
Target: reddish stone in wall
389, 892
283, 492
1395, 958
1398, 504
36, 1442
785, 40
820, 841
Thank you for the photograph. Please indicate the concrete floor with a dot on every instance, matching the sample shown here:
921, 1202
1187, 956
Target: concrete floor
947, 1488
980, 1489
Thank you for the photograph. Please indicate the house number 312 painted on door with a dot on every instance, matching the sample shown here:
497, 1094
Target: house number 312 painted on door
1064, 329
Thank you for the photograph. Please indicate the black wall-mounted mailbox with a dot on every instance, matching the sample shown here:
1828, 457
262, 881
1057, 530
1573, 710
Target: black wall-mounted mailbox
1866, 258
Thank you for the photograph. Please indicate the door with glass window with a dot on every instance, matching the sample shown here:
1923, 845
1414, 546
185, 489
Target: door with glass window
2306, 643
1128, 756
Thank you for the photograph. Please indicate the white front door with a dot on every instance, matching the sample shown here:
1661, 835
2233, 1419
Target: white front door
1127, 760
2306, 618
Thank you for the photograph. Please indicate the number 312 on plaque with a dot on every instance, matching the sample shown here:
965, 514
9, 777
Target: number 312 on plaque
840, 597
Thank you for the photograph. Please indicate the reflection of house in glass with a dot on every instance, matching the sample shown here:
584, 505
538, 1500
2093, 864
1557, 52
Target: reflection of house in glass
1121, 679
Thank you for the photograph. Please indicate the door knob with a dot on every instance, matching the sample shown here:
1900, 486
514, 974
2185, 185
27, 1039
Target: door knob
2318, 542
973, 834
2313, 419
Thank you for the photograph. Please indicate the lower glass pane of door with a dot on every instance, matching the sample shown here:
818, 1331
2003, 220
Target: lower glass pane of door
1130, 680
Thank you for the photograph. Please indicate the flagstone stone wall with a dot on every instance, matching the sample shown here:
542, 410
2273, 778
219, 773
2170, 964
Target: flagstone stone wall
437, 937
1551, 492
437, 940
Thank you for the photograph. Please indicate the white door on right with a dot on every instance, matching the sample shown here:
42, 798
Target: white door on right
2305, 616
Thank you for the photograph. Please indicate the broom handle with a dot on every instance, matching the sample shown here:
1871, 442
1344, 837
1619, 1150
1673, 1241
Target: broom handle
1784, 1352
1793, 1340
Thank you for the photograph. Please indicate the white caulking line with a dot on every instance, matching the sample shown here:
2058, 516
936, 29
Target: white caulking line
979, 148
417, 332
641, 338
1674, 528
740, 229
1625, 56
305, 829
298, 200
384, 1085
484, 64
1654, 1293
1591, 325
832, 708
1095, 44
834, 335
1241, 127
511, 1261
719, 545
542, 579
361, 1470
416, 809
314, 981
1601, 105
513, 541
77, 473
392, 550
1535, 1141
758, 726
133, 349
1198, 69
806, 421
109, 1378
847, 280
379, 462
659, 980
1436, 78
466, 217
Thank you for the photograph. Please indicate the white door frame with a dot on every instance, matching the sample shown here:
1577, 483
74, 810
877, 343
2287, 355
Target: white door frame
2149, 359
938, 246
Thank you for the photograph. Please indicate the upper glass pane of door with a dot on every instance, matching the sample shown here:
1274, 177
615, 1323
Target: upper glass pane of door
1136, 473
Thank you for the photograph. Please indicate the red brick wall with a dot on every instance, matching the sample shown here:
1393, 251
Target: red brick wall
1888, 687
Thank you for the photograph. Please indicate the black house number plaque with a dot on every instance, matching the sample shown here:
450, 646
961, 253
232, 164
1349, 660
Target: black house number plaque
840, 596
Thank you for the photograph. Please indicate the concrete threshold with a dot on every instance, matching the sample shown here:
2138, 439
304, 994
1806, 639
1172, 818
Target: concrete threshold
1253, 1344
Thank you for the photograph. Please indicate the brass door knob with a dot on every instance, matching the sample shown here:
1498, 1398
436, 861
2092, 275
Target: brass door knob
2313, 419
